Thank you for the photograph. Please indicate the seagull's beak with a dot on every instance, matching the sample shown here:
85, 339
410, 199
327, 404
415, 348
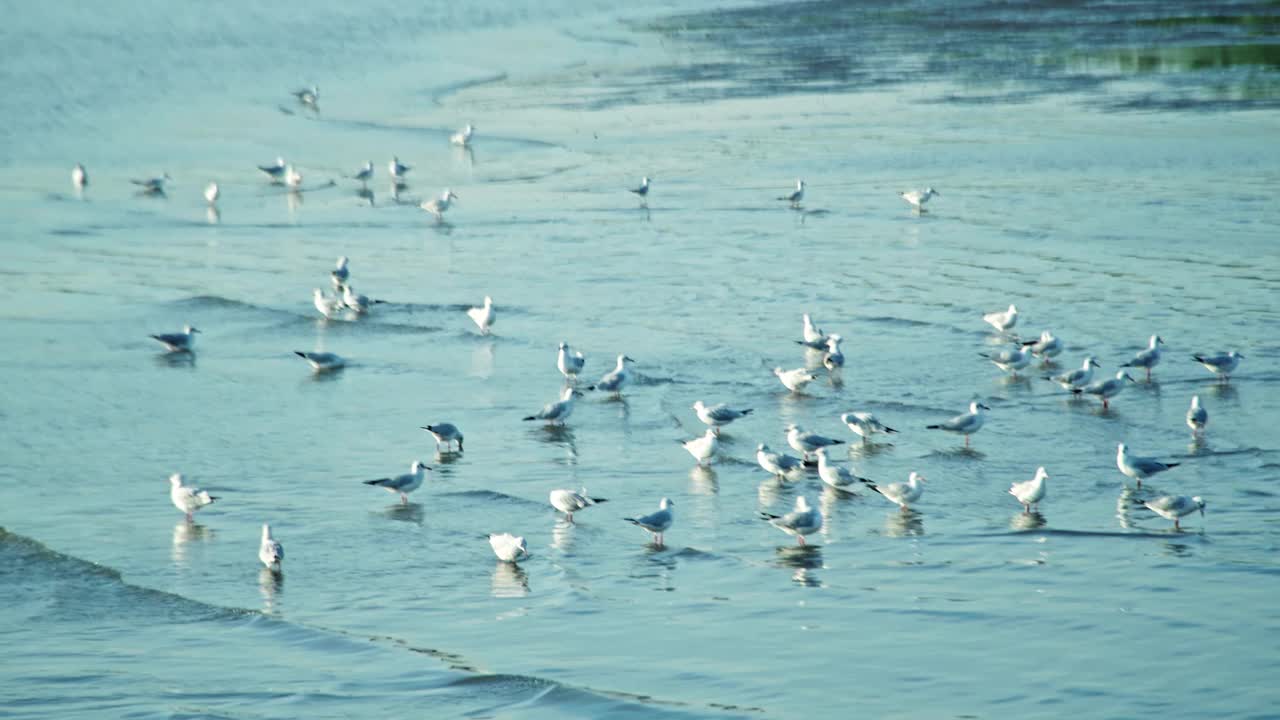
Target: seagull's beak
1126, 377
984, 407
628, 359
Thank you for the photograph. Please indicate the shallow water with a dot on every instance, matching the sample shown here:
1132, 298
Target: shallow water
1109, 200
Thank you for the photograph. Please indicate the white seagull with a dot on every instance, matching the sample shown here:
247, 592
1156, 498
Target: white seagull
569, 362
308, 96
355, 301
557, 412
483, 316
614, 380
1105, 389
403, 484
806, 442
270, 552
702, 448
1002, 321
802, 521
643, 190
322, 361
837, 476
79, 178
1047, 347
397, 169
966, 424
718, 415
438, 206
1197, 417
1148, 358
902, 494
778, 464
796, 379
834, 358
1173, 508
796, 195
211, 193
292, 178
1030, 492
153, 185
1139, 468
812, 334
446, 433
178, 342
918, 198
657, 522
365, 174
340, 272
325, 304
1010, 360
865, 424
462, 138
508, 547
186, 498
276, 171
570, 502
1078, 377
1220, 364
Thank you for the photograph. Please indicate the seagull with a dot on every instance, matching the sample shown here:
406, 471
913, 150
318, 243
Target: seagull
1197, 417
440, 205
966, 424
483, 316
1105, 389
813, 336
614, 380
365, 174
834, 359
357, 302
153, 185
807, 442
643, 190
796, 379
396, 169
186, 498
1002, 321
802, 521
462, 138
656, 523
446, 433
778, 464
570, 502
275, 172
557, 412
865, 424
322, 361
1221, 364
796, 195
79, 178
339, 274
1148, 358
1046, 348
292, 178
837, 476
570, 363
270, 552
719, 415
918, 198
902, 494
1011, 360
178, 342
508, 547
1173, 508
1030, 492
703, 448
325, 304
1078, 377
1139, 468
211, 193
403, 484
308, 96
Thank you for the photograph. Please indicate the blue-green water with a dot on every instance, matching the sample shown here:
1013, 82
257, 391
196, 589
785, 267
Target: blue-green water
1095, 168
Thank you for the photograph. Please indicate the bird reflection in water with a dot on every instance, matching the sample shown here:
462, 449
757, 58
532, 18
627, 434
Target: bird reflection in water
1027, 521
405, 512
562, 535
804, 559
270, 584
904, 523
366, 195
1124, 507
213, 215
482, 359
703, 481
185, 533
509, 580
561, 435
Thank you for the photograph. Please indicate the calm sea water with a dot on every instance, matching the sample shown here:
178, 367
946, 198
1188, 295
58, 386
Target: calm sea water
1109, 168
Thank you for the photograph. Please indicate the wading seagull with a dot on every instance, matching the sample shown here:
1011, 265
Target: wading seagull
796, 195
902, 494
365, 174
614, 380
508, 547
837, 476
340, 272
292, 178
1078, 377
153, 185
1173, 508
918, 198
718, 416
483, 316
186, 498
322, 361
834, 358
1148, 358
1030, 492
865, 424
702, 448
1197, 417
275, 172
355, 301
806, 442
777, 464
643, 190
1011, 360
403, 484
438, 206
211, 193
966, 424
802, 521
1105, 389
570, 502
79, 178
178, 342
270, 552
446, 433
656, 523
397, 169
1220, 364
325, 304
812, 334
462, 138
1002, 321
557, 412
308, 96
570, 363
796, 379
1047, 347
1139, 468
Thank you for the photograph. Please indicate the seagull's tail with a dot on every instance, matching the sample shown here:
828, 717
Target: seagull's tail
591, 387
1129, 363
378, 482
301, 354
531, 417
597, 501
767, 516
888, 429
932, 427
837, 442
1077, 390
633, 521
1172, 465
1198, 358
206, 498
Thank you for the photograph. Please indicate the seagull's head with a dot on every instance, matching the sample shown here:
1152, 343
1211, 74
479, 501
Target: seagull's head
800, 184
1041, 474
915, 477
821, 453
665, 504
777, 371
175, 480
189, 330
833, 340
1121, 449
342, 262
792, 427
564, 346
488, 301
1122, 375
762, 448
1156, 340
448, 195
975, 406
644, 180
266, 530
1234, 354
1195, 401
419, 466
1199, 501
802, 504
624, 359
279, 161
1013, 309
931, 191
1091, 362
699, 405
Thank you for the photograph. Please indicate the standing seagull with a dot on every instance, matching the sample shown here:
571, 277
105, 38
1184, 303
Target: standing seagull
508, 547
570, 502
1030, 492
569, 362
614, 380
339, 274
1221, 364
777, 464
643, 190
1012, 360
1197, 417
812, 334
1105, 389
1173, 508
1148, 358
186, 498
365, 174
834, 358
557, 412
153, 186
702, 448
865, 424
322, 361
796, 379
397, 169
483, 316
211, 194
403, 484
1046, 348
270, 552
446, 433
807, 442
656, 523
325, 304
1139, 468
79, 178
462, 138
802, 521
718, 416
902, 494
309, 97
918, 198
355, 301
178, 342
276, 171
1078, 377
1002, 321
438, 206
837, 476
796, 195
966, 424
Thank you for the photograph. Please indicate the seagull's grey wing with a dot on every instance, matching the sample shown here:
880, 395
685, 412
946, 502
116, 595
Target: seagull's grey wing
721, 413
1148, 465
171, 338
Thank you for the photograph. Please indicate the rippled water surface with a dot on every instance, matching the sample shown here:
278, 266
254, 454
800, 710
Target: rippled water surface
1109, 167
